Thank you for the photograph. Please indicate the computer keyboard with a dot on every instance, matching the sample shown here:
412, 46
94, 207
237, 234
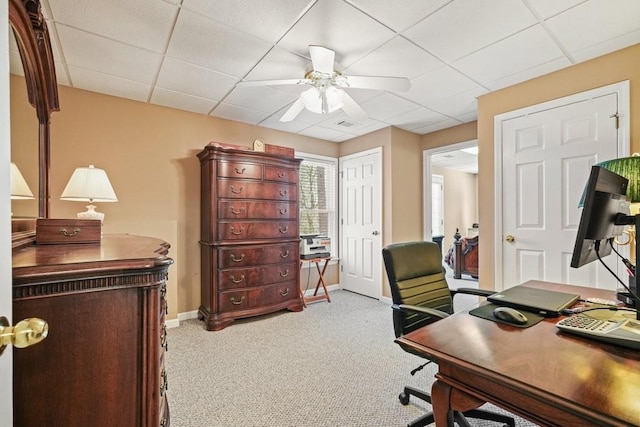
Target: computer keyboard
625, 332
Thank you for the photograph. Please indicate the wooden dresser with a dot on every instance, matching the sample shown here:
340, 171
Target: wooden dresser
102, 363
249, 234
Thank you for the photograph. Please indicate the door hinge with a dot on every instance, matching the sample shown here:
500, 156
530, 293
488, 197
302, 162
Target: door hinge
617, 117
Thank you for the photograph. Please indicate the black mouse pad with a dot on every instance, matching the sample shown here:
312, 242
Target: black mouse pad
486, 312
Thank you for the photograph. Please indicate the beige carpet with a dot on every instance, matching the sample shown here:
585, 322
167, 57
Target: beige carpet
334, 364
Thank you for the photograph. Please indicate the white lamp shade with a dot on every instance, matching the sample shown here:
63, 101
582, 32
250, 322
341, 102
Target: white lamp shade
89, 184
19, 187
312, 99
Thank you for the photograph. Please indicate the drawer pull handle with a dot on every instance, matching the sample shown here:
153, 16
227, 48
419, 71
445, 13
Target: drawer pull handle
283, 229
285, 293
280, 174
283, 211
64, 232
284, 254
234, 259
283, 192
240, 171
233, 279
238, 191
237, 233
235, 302
237, 212
285, 274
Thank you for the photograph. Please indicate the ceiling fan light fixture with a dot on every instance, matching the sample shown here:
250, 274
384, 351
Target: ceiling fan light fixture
312, 99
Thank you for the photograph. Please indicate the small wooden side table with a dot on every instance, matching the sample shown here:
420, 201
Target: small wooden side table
321, 271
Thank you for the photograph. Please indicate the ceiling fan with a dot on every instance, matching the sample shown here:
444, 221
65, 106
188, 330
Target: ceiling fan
327, 93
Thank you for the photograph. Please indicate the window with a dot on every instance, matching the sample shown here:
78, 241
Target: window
317, 198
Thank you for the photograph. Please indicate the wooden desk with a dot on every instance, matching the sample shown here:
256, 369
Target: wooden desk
549, 377
321, 271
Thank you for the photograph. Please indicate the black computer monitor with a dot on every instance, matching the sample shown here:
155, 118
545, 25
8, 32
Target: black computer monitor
604, 200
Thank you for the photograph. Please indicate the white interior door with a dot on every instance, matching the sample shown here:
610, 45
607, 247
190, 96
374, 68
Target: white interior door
547, 157
361, 222
6, 361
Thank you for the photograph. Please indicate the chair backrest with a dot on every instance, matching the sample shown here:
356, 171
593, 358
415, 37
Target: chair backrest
416, 277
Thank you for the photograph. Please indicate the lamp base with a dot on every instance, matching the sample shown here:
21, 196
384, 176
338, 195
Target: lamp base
91, 213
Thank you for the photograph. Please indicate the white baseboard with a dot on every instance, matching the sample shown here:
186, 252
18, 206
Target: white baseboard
174, 323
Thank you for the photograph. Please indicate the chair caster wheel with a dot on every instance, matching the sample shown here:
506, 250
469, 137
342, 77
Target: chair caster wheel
404, 398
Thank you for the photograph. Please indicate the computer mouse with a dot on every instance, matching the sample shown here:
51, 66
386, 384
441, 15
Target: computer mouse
510, 315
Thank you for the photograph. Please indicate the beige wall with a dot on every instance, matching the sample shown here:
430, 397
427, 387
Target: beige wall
402, 184
612, 68
149, 153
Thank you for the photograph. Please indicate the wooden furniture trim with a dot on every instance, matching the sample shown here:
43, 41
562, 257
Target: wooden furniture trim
469, 376
34, 45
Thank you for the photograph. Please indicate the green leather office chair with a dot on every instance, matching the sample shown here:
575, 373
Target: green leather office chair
421, 296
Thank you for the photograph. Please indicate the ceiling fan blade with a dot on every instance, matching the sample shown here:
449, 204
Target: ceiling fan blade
322, 59
400, 84
293, 111
353, 110
273, 82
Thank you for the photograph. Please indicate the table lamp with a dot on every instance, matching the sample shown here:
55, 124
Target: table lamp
89, 184
19, 188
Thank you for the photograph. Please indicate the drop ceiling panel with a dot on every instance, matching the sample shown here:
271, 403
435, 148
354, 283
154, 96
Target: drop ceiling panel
96, 53
438, 84
529, 73
608, 46
385, 105
466, 26
279, 64
169, 98
194, 80
399, 18
189, 54
142, 23
595, 21
205, 42
460, 104
261, 98
507, 56
340, 26
250, 16
398, 57
437, 126
417, 118
103, 83
239, 114
549, 8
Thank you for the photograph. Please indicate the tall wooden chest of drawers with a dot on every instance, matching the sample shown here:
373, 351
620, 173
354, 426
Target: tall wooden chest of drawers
249, 234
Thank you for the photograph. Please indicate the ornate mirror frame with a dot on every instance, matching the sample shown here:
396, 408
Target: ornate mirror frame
32, 37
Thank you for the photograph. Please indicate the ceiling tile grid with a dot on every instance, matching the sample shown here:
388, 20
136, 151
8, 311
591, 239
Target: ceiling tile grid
191, 54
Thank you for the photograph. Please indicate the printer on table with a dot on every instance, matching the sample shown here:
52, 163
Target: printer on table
314, 246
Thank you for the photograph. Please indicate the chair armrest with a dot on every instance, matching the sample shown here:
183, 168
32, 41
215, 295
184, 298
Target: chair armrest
420, 310
473, 291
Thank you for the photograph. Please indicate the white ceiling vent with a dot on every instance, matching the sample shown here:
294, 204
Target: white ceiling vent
345, 123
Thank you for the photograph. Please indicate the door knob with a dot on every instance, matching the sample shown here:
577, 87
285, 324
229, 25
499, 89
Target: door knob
26, 332
375, 233
510, 238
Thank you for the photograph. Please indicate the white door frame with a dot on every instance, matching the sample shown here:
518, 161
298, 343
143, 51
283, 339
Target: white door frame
426, 180
621, 88
379, 226
6, 360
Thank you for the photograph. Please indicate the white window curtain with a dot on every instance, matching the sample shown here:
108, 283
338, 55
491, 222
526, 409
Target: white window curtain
317, 197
